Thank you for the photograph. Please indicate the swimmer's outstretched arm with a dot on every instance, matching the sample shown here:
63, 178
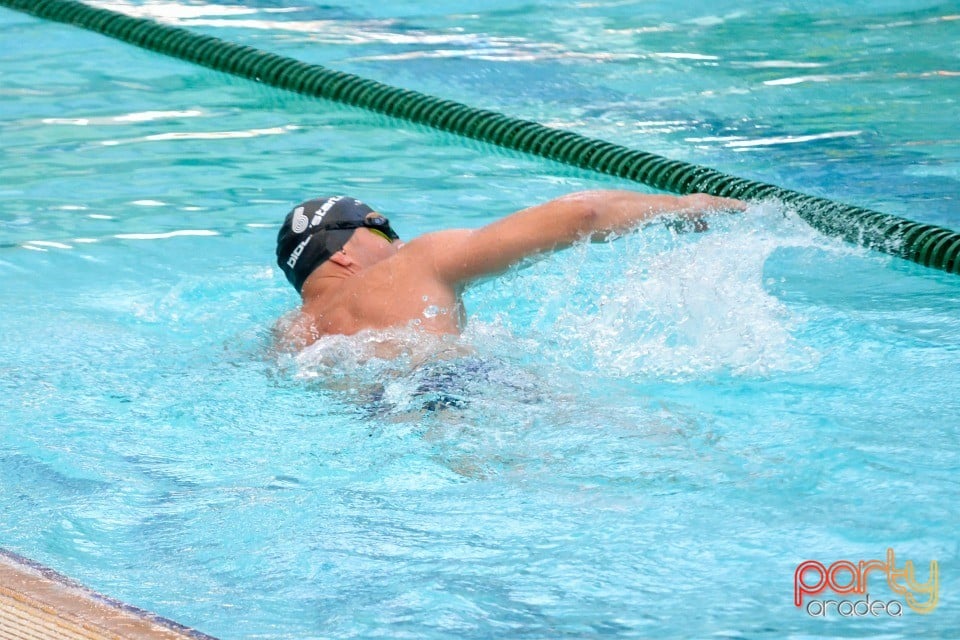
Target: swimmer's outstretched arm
462, 255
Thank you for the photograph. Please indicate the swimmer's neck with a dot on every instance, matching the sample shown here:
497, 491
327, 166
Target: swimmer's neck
319, 289
325, 281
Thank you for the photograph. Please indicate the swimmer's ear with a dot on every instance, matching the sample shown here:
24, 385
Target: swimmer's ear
341, 258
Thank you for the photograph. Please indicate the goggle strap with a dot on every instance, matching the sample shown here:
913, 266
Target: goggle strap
346, 225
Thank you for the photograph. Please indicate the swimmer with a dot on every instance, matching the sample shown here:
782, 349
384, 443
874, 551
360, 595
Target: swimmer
353, 272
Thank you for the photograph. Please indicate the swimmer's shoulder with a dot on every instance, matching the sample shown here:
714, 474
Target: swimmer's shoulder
430, 249
436, 241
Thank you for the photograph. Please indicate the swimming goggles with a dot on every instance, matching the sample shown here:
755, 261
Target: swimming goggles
373, 221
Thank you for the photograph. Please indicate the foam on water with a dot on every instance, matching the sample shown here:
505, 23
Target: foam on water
697, 306
655, 304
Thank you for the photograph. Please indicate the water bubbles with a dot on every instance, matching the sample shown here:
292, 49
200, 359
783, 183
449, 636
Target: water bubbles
657, 304
432, 311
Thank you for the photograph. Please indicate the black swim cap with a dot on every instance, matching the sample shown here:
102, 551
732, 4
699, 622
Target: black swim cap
317, 229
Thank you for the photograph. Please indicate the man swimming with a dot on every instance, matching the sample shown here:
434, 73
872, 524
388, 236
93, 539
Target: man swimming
354, 273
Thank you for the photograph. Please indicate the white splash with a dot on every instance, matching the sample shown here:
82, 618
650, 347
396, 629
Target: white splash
673, 307
164, 236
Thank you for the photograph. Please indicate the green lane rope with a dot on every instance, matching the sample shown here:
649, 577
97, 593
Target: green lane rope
925, 244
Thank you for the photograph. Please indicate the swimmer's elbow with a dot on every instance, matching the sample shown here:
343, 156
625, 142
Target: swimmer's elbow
583, 220
597, 215
593, 224
590, 218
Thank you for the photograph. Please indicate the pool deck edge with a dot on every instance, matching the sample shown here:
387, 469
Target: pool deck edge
37, 602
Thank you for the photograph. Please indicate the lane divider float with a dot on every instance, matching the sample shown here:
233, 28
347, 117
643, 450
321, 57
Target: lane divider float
926, 244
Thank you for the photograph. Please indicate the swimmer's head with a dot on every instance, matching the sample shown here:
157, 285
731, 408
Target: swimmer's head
317, 229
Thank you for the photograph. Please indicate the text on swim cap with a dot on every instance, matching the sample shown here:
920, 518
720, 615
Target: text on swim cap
292, 260
322, 211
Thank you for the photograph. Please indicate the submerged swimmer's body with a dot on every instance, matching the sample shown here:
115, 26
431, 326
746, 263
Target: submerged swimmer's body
355, 274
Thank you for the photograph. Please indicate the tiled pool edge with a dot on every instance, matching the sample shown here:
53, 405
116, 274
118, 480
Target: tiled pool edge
37, 603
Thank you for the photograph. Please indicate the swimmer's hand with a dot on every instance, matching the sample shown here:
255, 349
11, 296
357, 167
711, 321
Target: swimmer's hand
691, 217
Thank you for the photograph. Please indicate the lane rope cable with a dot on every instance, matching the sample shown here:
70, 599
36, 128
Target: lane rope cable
926, 244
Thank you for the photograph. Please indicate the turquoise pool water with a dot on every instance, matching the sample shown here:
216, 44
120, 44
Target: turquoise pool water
663, 428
